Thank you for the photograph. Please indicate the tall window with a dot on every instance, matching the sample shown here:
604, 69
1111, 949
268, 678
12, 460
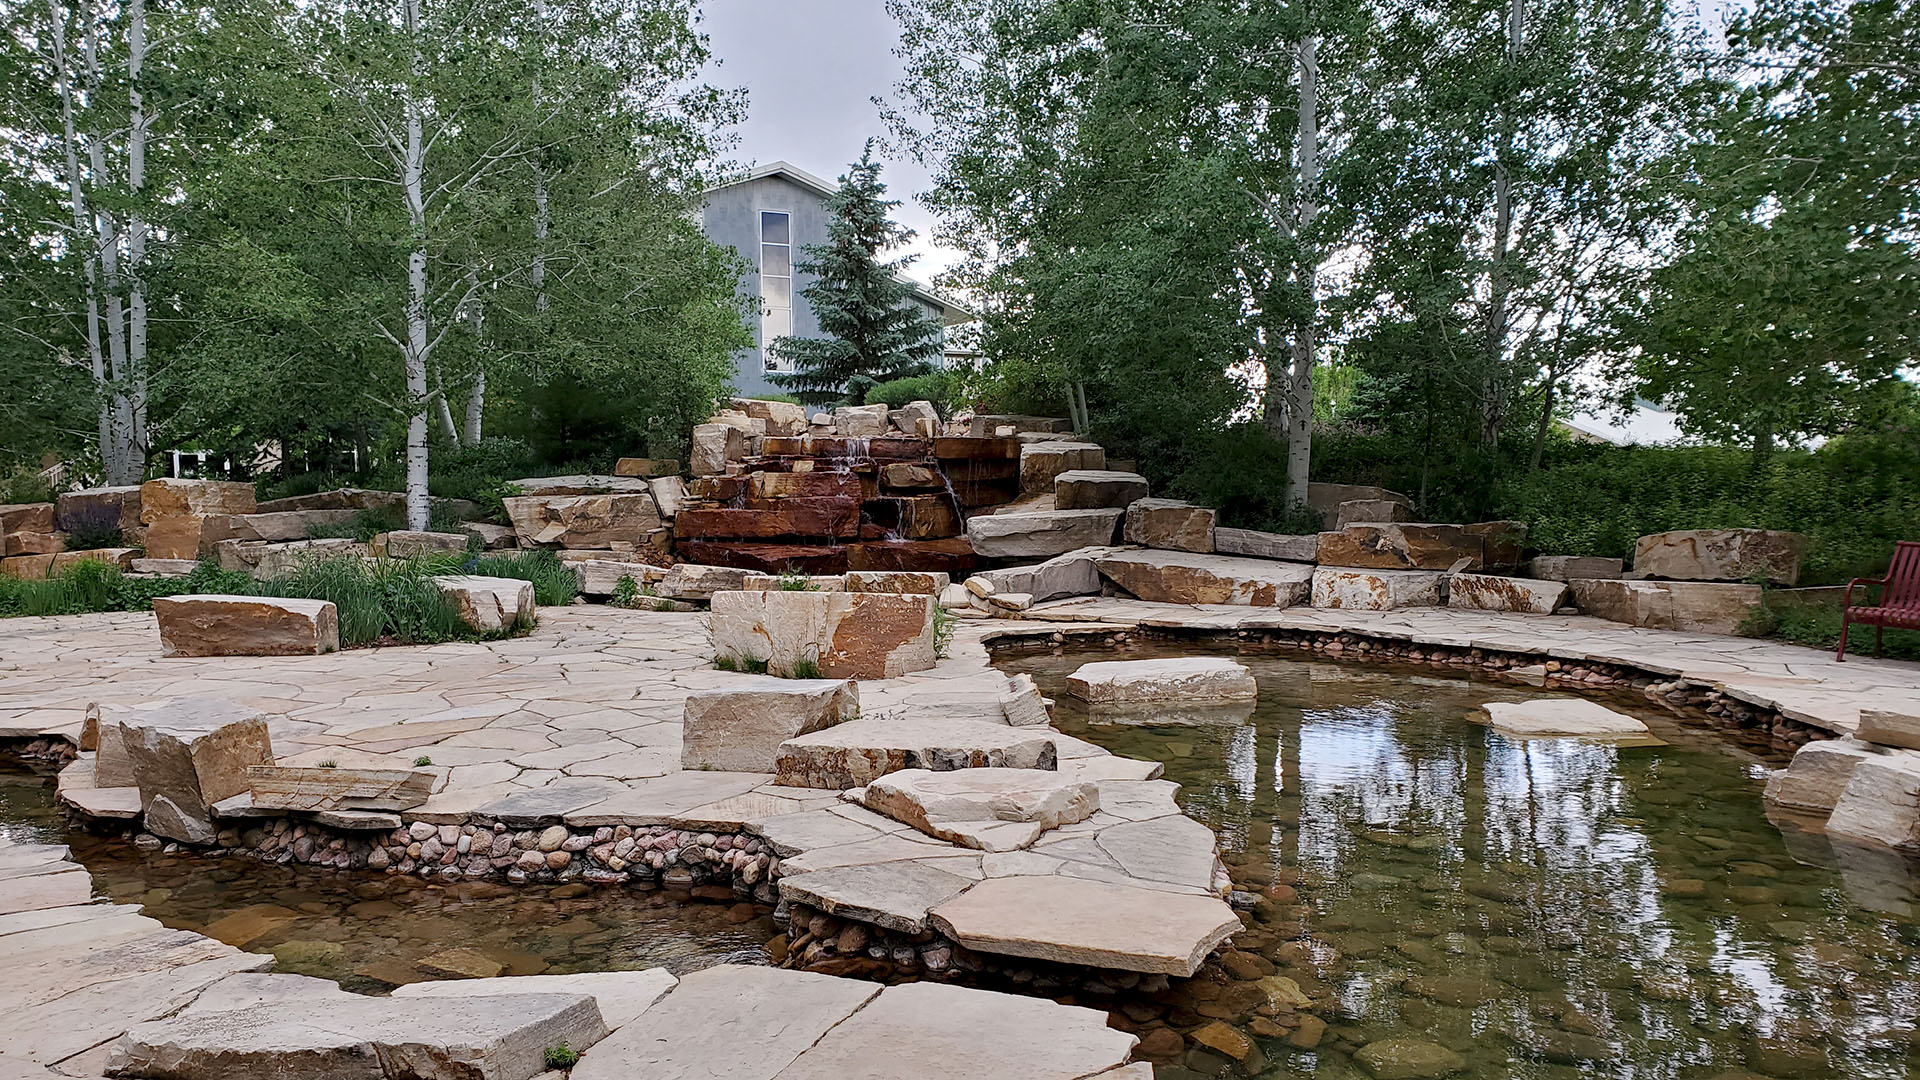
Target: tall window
776, 284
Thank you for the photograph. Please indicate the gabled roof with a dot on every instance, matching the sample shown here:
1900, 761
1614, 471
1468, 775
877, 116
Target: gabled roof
952, 312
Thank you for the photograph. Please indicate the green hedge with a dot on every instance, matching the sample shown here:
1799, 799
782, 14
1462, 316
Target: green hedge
391, 600
936, 387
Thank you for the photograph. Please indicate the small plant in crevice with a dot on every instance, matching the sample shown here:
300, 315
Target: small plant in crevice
944, 623
329, 764
561, 1056
626, 593
806, 668
422, 760
795, 581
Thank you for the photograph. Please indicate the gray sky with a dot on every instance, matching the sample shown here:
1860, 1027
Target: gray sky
811, 69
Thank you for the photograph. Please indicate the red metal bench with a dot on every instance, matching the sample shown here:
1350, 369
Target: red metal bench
1899, 605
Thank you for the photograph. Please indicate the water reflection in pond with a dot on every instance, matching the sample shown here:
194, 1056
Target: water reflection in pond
1543, 908
371, 931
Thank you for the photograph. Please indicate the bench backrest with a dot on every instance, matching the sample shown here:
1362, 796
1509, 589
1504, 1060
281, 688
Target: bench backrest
1903, 576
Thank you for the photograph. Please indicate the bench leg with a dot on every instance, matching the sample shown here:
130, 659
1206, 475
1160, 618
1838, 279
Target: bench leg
1879, 631
1840, 654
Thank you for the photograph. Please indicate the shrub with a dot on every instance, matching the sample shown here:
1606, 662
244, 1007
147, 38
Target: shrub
936, 387
1818, 626
1243, 473
788, 399
93, 585
561, 1057
362, 526
554, 583
25, 486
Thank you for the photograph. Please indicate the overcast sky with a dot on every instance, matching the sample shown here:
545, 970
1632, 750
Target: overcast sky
811, 69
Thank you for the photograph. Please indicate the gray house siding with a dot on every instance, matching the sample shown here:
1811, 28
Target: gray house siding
732, 218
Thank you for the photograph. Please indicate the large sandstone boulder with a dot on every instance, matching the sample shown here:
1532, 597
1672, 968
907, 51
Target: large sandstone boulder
696, 581
1881, 804
120, 557
175, 512
713, 446
1094, 489
782, 417
26, 518
1698, 606
1185, 577
1888, 728
185, 754
646, 468
668, 493
1501, 543
217, 625
601, 577
1076, 573
1169, 524
739, 727
1183, 679
916, 418
836, 635
1409, 546
858, 752
489, 604
860, 421
1042, 463
1361, 511
266, 561
406, 543
1572, 567
583, 521
33, 543
985, 809
1022, 703
270, 528
1102, 924
1818, 774
1265, 545
1484, 592
1721, 555
338, 499
1325, 499
912, 582
1375, 590
578, 484
96, 507
1041, 535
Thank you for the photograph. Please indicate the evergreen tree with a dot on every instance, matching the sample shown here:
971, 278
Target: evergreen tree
874, 328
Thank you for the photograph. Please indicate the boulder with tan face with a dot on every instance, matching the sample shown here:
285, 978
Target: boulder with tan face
739, 727
1402, 546
1169, 524
216, 625
175, 513
585, 522
837, 635
1721, 555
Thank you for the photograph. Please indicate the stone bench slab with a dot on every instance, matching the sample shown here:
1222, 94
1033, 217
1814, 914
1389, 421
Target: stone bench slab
860, 751
222, 625
1093, 923
1190, 577
1182, 679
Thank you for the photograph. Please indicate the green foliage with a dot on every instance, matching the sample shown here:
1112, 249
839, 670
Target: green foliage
795, 581
873, 326
93, 585
1818, 627
561, 1057
422, 761
806, 668
745, 664
787, 399
944, 622
626, 594
362, 526
554, 583
25, 485
1243, 474
936, 387
92, 527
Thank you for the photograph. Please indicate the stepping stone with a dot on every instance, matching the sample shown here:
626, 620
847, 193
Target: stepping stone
219, 625
482, 1038
1375, 590
621, 995
1093, 923
1889, 728
1041, 536
1881, 803
283, 787
987, 809
1185, 679
1485, 592
894, 895
857, 752
934, 1031
727, 1021
1408, 1059
740, 727
1187, 577
488, 604
1160, 714
1560, 717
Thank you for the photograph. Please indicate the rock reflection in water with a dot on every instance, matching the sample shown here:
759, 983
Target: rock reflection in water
1544, 908
371, 932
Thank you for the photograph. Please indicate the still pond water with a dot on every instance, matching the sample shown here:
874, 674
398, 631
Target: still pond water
1548, 909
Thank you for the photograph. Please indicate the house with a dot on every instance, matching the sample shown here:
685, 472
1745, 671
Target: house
770, 216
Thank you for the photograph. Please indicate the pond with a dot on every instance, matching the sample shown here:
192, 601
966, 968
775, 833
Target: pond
1544, 908
371, 932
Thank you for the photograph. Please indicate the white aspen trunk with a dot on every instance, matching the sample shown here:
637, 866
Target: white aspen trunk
1493, 390
107, 251
1305, 335
136, 243
476, 406
415, 349
82, 229
445, 411
542, 214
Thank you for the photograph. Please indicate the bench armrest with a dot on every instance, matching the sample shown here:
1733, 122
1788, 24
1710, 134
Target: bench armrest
1847, 601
